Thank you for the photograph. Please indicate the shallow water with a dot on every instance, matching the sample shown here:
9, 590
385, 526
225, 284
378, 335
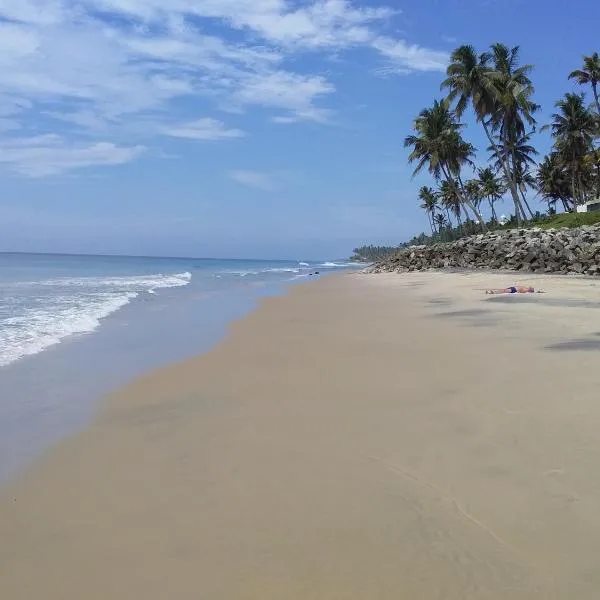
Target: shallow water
76, 328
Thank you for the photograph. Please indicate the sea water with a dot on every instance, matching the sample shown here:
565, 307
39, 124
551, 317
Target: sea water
73, 328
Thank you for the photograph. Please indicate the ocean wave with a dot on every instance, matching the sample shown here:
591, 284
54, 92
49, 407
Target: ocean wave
38, 328
75, 306
137, 282
245, 273
332, 265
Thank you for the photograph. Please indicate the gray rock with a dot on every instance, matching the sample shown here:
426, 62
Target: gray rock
542, 251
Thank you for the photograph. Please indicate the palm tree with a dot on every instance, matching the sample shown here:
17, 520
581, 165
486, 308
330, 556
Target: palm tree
429, 203
514, 107
491, 188
524, 179
474, 192
450, 197
471, 79
552, 181
520, 153
438, 144
589, 74
573, 128
441, 222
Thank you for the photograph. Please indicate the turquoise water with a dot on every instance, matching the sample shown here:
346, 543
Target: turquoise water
73, 328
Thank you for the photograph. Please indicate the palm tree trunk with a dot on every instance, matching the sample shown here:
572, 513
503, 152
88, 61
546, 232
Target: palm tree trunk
573, 185
595, 90
430, 217
526, 203
448, 215
580, 186
511, 184
492, 209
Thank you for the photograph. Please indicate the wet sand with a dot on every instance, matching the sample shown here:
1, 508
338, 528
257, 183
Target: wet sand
364, 436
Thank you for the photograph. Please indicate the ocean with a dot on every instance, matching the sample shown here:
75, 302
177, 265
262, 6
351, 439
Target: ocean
73, 328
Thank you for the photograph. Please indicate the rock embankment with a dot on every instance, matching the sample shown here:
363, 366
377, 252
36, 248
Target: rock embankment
535, 250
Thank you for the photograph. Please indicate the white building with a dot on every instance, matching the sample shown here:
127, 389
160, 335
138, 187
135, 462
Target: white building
591, 206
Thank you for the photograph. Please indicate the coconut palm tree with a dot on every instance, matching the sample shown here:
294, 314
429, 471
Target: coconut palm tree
451, 199
474, 192
429, 203
520, 153
589, 74
438, 144
552, 181
491, 188
524, 180
574, 127
514, 106
472, 79
441, 222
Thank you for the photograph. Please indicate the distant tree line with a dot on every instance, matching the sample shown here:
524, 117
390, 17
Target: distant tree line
372, 253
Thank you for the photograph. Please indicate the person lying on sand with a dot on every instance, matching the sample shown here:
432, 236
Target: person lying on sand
515, 290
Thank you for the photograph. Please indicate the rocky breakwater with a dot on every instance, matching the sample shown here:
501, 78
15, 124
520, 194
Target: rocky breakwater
536, 250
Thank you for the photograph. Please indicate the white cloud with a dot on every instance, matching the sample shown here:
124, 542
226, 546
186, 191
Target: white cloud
407, 58
114, 78
50, 155
283, 90
203, 129
255, 179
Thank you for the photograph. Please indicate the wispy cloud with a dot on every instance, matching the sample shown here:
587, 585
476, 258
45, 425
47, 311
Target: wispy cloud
255, 179
450, 39
109, 70
203, 129
45, 155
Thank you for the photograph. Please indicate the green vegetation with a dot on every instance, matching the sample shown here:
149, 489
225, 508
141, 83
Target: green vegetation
570, 220
498, 90
371, 253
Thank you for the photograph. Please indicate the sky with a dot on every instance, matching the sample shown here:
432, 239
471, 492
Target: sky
240, 128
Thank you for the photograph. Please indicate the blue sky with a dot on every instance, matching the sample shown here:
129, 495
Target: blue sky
239, 128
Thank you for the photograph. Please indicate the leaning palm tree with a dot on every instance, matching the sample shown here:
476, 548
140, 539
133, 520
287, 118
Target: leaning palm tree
472, 79
590, 74
437, 143
491, 188
574, 128
429, 203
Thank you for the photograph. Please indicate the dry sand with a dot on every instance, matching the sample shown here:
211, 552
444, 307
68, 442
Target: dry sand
364, 437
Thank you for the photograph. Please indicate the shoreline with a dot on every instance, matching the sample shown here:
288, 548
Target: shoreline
360, 436
53, 394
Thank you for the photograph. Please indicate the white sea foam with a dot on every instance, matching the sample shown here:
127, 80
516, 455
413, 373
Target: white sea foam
243, 273
76, 305
137, 282
332, 265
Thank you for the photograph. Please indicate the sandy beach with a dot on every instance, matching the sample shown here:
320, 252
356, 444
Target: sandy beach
362, 437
